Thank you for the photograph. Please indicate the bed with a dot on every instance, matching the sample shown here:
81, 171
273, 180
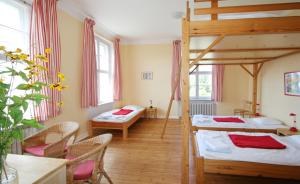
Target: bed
233, 160
108, 120
259, 124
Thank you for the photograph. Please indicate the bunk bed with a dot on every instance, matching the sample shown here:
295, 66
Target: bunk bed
227, 23
233, 160
236, 123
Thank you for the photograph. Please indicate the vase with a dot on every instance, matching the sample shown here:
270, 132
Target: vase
9, 175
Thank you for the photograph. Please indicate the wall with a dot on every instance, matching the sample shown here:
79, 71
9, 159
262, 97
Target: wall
274, 103
71, 31
158, 59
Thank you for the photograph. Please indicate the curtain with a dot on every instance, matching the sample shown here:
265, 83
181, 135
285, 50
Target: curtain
217, 82
44, 34
89, 96
117, 72
175, 68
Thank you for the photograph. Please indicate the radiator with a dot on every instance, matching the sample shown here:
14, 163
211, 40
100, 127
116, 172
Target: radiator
201, 107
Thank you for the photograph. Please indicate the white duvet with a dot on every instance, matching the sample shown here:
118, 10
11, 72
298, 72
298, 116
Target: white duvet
250, 123
224, 149
111, 118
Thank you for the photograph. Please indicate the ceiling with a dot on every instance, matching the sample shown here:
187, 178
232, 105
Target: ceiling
146, 21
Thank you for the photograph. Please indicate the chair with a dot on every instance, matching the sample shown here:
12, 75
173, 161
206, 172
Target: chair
85, 160
51, 141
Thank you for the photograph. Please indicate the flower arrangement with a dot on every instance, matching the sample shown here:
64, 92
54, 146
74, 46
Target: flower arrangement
20, 89
293, 128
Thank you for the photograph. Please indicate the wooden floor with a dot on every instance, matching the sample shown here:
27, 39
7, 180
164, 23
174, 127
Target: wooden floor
145, 158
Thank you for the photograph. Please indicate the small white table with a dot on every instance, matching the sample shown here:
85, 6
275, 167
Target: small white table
39, 170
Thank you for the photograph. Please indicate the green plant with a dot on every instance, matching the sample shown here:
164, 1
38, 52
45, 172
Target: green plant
20, 89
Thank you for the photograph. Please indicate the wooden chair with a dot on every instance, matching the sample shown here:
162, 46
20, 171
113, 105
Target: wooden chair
40, 145
86, 160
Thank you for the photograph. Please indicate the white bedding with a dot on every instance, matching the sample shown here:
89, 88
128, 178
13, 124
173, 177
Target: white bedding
289, 156
250, 123
111, 118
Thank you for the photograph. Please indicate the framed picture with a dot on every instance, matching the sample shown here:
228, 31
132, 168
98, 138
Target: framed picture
292, 83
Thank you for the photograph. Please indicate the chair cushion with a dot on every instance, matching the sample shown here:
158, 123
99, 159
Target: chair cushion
83, 170
36, 150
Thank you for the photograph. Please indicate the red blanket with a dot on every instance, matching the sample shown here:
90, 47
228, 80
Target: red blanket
229, 120
123, 112
264, 142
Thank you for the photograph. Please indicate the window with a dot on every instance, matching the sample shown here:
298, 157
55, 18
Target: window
201, 83
104, 59
14, 33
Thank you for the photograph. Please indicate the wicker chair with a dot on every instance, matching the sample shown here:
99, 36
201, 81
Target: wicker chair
86, 160
39, 145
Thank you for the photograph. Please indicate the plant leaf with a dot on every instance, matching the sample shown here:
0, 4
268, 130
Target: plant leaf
32, 123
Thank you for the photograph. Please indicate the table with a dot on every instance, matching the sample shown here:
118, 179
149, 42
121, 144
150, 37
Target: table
286, 131
38, 170
151, 112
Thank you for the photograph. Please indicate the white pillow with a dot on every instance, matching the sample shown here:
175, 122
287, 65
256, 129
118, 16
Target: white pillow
295, 140
267, 121
132, 107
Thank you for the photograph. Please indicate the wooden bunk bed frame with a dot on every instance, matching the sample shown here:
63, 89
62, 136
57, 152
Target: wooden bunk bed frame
240, 168
221, 29
115, 125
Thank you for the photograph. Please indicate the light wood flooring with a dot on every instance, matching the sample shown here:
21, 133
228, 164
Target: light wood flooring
145, 158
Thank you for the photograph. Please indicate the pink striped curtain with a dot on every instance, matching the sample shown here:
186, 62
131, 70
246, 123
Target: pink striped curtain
175, 66
217, 82
117, 72
44, 34
89, 96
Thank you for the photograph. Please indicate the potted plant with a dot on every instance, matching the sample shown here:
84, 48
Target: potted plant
20, 89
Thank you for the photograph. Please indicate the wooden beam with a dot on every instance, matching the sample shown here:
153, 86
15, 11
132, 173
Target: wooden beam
214, 4
201, 1
260, 67
185, 101
254, 88
246, 26
225, 64
283, 55
247, 8
188, 11
235, 59
246, 69
202, 54
246, 49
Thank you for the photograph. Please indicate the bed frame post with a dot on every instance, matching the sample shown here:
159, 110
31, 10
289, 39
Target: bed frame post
185, 98
254, 88
125, 132
200, 170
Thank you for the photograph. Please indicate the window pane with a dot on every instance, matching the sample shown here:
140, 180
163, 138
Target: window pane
193, 91
104, 59
205, 68
205, 85
105, 88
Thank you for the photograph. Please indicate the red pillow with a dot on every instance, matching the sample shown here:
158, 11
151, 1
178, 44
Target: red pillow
123, 112
229, 120
263, 142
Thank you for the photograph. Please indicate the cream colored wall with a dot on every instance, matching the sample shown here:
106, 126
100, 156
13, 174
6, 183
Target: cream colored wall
274, 103
157, 58
236, 90
71, 31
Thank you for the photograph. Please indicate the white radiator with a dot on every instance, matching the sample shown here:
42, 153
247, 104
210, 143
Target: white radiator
202, 107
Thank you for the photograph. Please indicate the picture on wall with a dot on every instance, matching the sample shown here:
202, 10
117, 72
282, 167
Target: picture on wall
292, 83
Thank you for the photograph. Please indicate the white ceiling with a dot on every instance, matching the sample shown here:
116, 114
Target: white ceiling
144, 21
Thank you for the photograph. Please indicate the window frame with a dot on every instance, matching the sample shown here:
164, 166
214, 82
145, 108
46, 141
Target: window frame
110, 72
197, 73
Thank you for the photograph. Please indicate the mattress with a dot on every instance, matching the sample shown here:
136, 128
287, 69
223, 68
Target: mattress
250, 123
111, 118
289, 156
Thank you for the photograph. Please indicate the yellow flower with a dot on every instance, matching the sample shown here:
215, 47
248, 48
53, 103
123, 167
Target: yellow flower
23, 56
18, 50
61, 76
60, 104
48, 50
2, 47
41, 57
1, 79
